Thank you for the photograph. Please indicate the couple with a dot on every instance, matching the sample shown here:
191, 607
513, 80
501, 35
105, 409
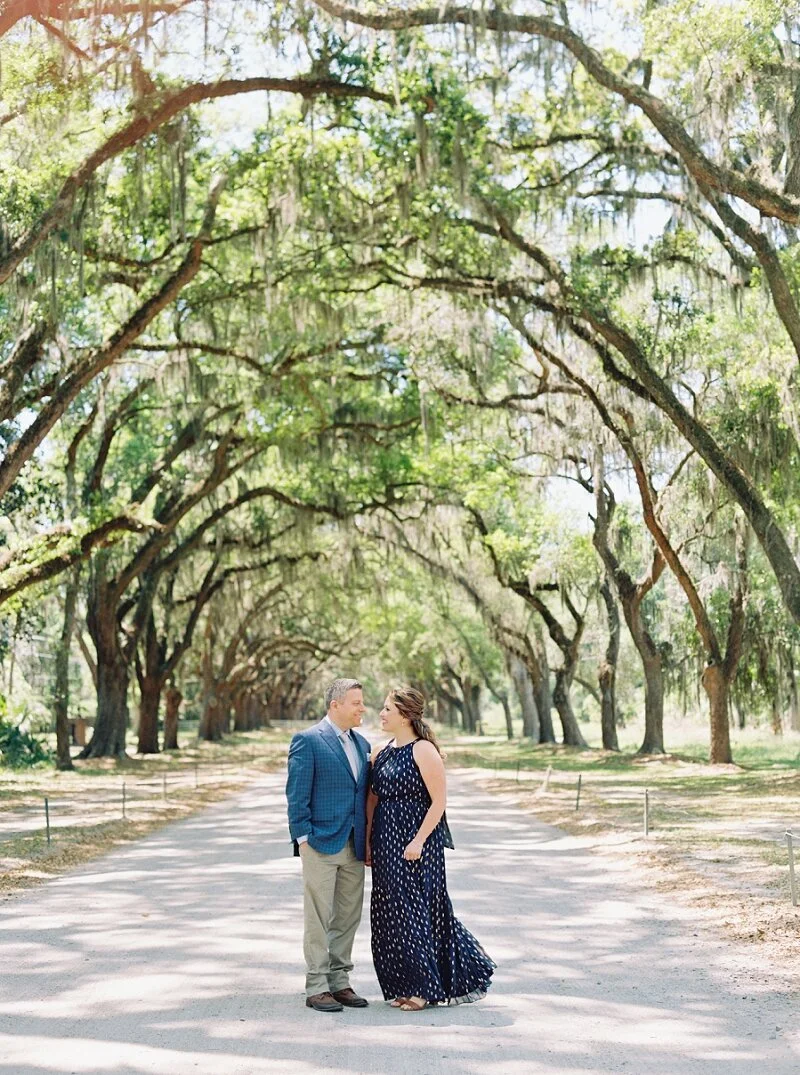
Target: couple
347, 808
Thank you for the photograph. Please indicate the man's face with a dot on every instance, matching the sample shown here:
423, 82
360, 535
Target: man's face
348, 711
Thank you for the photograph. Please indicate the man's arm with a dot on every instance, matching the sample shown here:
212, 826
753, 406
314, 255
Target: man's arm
299, 782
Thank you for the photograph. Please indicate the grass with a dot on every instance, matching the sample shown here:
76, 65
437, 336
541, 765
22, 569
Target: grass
86, 805
716, 837
717, 832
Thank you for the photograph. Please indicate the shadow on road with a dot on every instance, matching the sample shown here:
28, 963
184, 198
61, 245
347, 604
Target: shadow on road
183, 954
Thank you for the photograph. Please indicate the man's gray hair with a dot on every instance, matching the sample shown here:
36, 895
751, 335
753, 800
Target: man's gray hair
335, 691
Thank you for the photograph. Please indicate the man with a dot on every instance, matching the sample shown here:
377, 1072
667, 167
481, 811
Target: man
326, 791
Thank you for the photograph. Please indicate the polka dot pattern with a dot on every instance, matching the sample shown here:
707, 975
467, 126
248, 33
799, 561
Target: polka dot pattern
419, 947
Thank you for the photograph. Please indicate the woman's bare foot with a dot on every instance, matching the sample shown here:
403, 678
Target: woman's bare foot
398, 1002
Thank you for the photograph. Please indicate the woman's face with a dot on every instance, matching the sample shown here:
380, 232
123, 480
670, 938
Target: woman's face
391, 720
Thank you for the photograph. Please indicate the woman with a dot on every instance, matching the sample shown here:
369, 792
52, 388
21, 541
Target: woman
422, 953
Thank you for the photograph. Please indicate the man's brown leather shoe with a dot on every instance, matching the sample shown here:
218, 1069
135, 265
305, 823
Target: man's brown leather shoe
349, 998
323, 1002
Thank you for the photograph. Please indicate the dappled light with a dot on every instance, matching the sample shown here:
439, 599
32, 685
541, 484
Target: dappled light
183, 953
446, 345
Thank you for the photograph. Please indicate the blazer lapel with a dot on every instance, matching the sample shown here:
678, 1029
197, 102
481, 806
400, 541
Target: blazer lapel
332, 740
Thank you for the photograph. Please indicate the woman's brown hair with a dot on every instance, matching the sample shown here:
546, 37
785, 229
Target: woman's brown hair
411, 704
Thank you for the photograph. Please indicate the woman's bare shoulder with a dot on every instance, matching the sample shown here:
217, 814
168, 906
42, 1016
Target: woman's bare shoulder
424, 748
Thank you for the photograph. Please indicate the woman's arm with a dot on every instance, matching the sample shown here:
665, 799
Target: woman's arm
431, 767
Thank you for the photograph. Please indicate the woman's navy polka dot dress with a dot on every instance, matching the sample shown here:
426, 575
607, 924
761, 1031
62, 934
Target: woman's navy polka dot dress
419, 947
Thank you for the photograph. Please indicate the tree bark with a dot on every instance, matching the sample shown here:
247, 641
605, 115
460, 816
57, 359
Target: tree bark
631, 595
607, 674
475, 699
561, 699
653, 741
111, 720
544, 699
108, 738
716, 685
468, 712
61, 689
241, 715
777, 717
507, 713
173, 701
149, 703
151, 681
523, 684
209, 727
794, 699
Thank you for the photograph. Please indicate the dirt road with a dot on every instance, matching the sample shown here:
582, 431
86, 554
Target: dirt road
182, 954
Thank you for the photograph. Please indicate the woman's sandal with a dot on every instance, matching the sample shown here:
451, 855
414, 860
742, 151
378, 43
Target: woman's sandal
413, 1004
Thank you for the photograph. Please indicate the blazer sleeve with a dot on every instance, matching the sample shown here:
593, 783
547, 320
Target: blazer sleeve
299, 782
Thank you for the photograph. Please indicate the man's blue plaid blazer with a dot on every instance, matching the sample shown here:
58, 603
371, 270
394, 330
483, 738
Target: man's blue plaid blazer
325, 801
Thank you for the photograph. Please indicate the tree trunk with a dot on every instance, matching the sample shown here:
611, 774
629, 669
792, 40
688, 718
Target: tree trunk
222, 717
652, 666
150, 700
794, 700
741, 715
717, 687
258, 712
523, 684
607, 675
111, 721
653, 741
61, 689
108, 739
608, 706
631, 596
468, 716
777, 720
539, 669
572, 734
475, 707
151, 683
209, 722
240, 712
173, 701
507, 712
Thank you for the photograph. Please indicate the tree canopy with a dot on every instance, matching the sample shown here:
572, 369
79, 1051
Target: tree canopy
454, 342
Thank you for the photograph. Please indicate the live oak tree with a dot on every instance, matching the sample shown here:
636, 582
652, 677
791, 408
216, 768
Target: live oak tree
447, 227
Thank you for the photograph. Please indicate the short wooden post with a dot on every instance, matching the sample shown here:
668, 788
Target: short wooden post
196, 775
123, 799
547, 775
165, 787
578, 795
47, 818
646, 812
517, 770
792, 884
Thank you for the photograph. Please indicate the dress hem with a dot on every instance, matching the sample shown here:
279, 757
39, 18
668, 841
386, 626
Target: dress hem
468, 998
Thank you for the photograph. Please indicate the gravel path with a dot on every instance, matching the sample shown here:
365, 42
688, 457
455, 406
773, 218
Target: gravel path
182, 954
